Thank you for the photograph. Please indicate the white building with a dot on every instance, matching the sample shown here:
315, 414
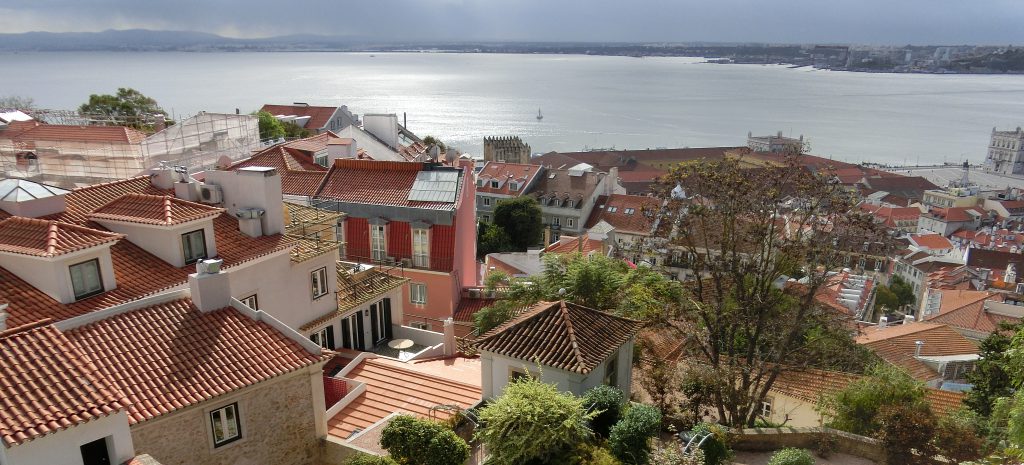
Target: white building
1006, 152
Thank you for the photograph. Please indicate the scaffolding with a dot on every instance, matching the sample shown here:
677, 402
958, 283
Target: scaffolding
77, 158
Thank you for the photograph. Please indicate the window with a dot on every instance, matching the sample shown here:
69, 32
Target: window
319, 282
629, 211
85, 278
324, 338
420, 248
377, 242
516, 375
611, 372
479, 183
320, 159
513, 186
420, 325
251, 302
487, 201
612, 209
494, 184
556, 221
766, 407
225, 425
487, 218
569, 203
194, 245
570, 222
418, 293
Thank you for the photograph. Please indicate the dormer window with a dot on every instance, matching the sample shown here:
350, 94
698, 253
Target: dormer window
495, 184
629, 211
569, 203
513, 186
85, 279
479, 183
193, 244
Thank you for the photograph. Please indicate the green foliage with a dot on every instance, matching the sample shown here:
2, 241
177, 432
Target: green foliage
367, 459
904, 291
606, 403
412, 441
270, 127
715, 448
589, 454
128, 104
671, 454
990, 377
887, 299
497, 313
531, 422
791, 456
855, 408
431, 140
630, 438
520, 218
956, 436
492, 238
292, 130
906, 432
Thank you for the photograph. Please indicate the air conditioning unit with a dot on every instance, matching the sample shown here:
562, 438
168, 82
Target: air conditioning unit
474, 293
210, 193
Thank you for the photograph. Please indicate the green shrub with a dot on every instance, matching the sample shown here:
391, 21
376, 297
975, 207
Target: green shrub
412, 441
716, 448
906, 434
629, 439
606, 401
791, 456
367, 459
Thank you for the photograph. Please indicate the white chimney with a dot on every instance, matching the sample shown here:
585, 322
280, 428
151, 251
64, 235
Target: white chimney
209, 286
384, 126
917, 349
251, 189
450, 347
3, 316
883, 321
163, 176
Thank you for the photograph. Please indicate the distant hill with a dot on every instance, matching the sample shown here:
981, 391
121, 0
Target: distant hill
143, 39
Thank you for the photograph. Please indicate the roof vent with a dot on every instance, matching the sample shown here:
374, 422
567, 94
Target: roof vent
3, 316
917, 349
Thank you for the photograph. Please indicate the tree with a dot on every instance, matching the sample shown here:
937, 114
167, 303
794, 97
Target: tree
886, 299
606, 402
270, 127
413, 441
956, 436
16, 102
903, 290
630, 438
533, 423
432, 141
520, 218
492, 239
743, 229
906, 432
990, 378
856, 407
129, 107
292, 130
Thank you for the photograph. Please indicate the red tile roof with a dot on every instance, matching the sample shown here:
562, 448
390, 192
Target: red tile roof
386, 183
299, 174
560, 334
391, 388
630, 214
505, 172
154, 209
312, 144
171, 355
931, 241
48, 384
956, 214
469, 306
897, 345
84, 200
570, 244
319, 117
59, 132
43, 238
969, 310
809, 385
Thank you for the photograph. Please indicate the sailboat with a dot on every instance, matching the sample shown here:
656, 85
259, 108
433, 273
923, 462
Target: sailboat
539, 116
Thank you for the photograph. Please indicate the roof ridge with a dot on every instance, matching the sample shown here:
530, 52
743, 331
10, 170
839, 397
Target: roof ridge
563, 311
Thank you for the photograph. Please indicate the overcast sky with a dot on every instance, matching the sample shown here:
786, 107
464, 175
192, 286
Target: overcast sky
793, 21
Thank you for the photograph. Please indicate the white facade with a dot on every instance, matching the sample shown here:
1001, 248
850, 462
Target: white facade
52, 275
1006, 152
64, 446
497, 371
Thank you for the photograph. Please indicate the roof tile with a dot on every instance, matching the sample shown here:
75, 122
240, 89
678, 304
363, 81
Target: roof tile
153, 209
44, 238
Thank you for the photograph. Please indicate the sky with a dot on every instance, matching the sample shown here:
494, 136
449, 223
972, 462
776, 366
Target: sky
895, 22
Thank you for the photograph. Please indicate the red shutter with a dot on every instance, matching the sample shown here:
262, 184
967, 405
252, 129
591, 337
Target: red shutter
399, 240
357, 235
442, 247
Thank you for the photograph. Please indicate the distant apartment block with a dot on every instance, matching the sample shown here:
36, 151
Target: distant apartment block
497, 181
775, 144
510, 149
1005, 152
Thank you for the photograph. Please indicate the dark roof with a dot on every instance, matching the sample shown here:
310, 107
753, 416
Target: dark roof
633, 214
994, 259
911, 187
562, 335
559, 184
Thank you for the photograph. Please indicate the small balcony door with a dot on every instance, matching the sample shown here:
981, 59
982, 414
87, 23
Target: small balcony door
380, 321
352, 332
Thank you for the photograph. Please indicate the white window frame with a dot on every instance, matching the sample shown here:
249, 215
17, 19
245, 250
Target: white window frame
378, 242
318, 282
487, 218
418, 293
612, 209
556, 221
320, 337
766, 407
228, 436
570, 222
186, 240
320, 159
495, 184
88, 291
487, 201
513, 186
421, 247
252, 302
629, 211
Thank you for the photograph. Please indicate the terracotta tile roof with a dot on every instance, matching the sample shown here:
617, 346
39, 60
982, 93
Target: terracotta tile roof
560, 335
59, 132
560, 185
48, 384
171, 355
661, 343
994, 259
897, 345
162, 210
570, 244
468, 307
84, 200
956, 214
318, 116
44, 238
391, 388
630, 214
809, 385
313, 143
357, 289
970, 312
505, 172
386, 183
299, 174
931, 241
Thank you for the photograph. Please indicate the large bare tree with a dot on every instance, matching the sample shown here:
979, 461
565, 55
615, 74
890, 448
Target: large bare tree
740, 230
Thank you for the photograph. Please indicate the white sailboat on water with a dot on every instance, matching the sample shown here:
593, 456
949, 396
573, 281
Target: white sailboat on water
539, 116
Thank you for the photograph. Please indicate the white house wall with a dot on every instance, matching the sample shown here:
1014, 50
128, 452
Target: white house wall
62, 447
284, 289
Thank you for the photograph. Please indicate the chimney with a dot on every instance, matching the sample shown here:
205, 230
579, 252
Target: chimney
163, 177
612, 181
883, 321
248, 190
450, 347
209, 286
917, 349
3, 316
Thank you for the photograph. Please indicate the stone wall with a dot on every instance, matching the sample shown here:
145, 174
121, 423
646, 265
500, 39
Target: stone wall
769, 439
277, 420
